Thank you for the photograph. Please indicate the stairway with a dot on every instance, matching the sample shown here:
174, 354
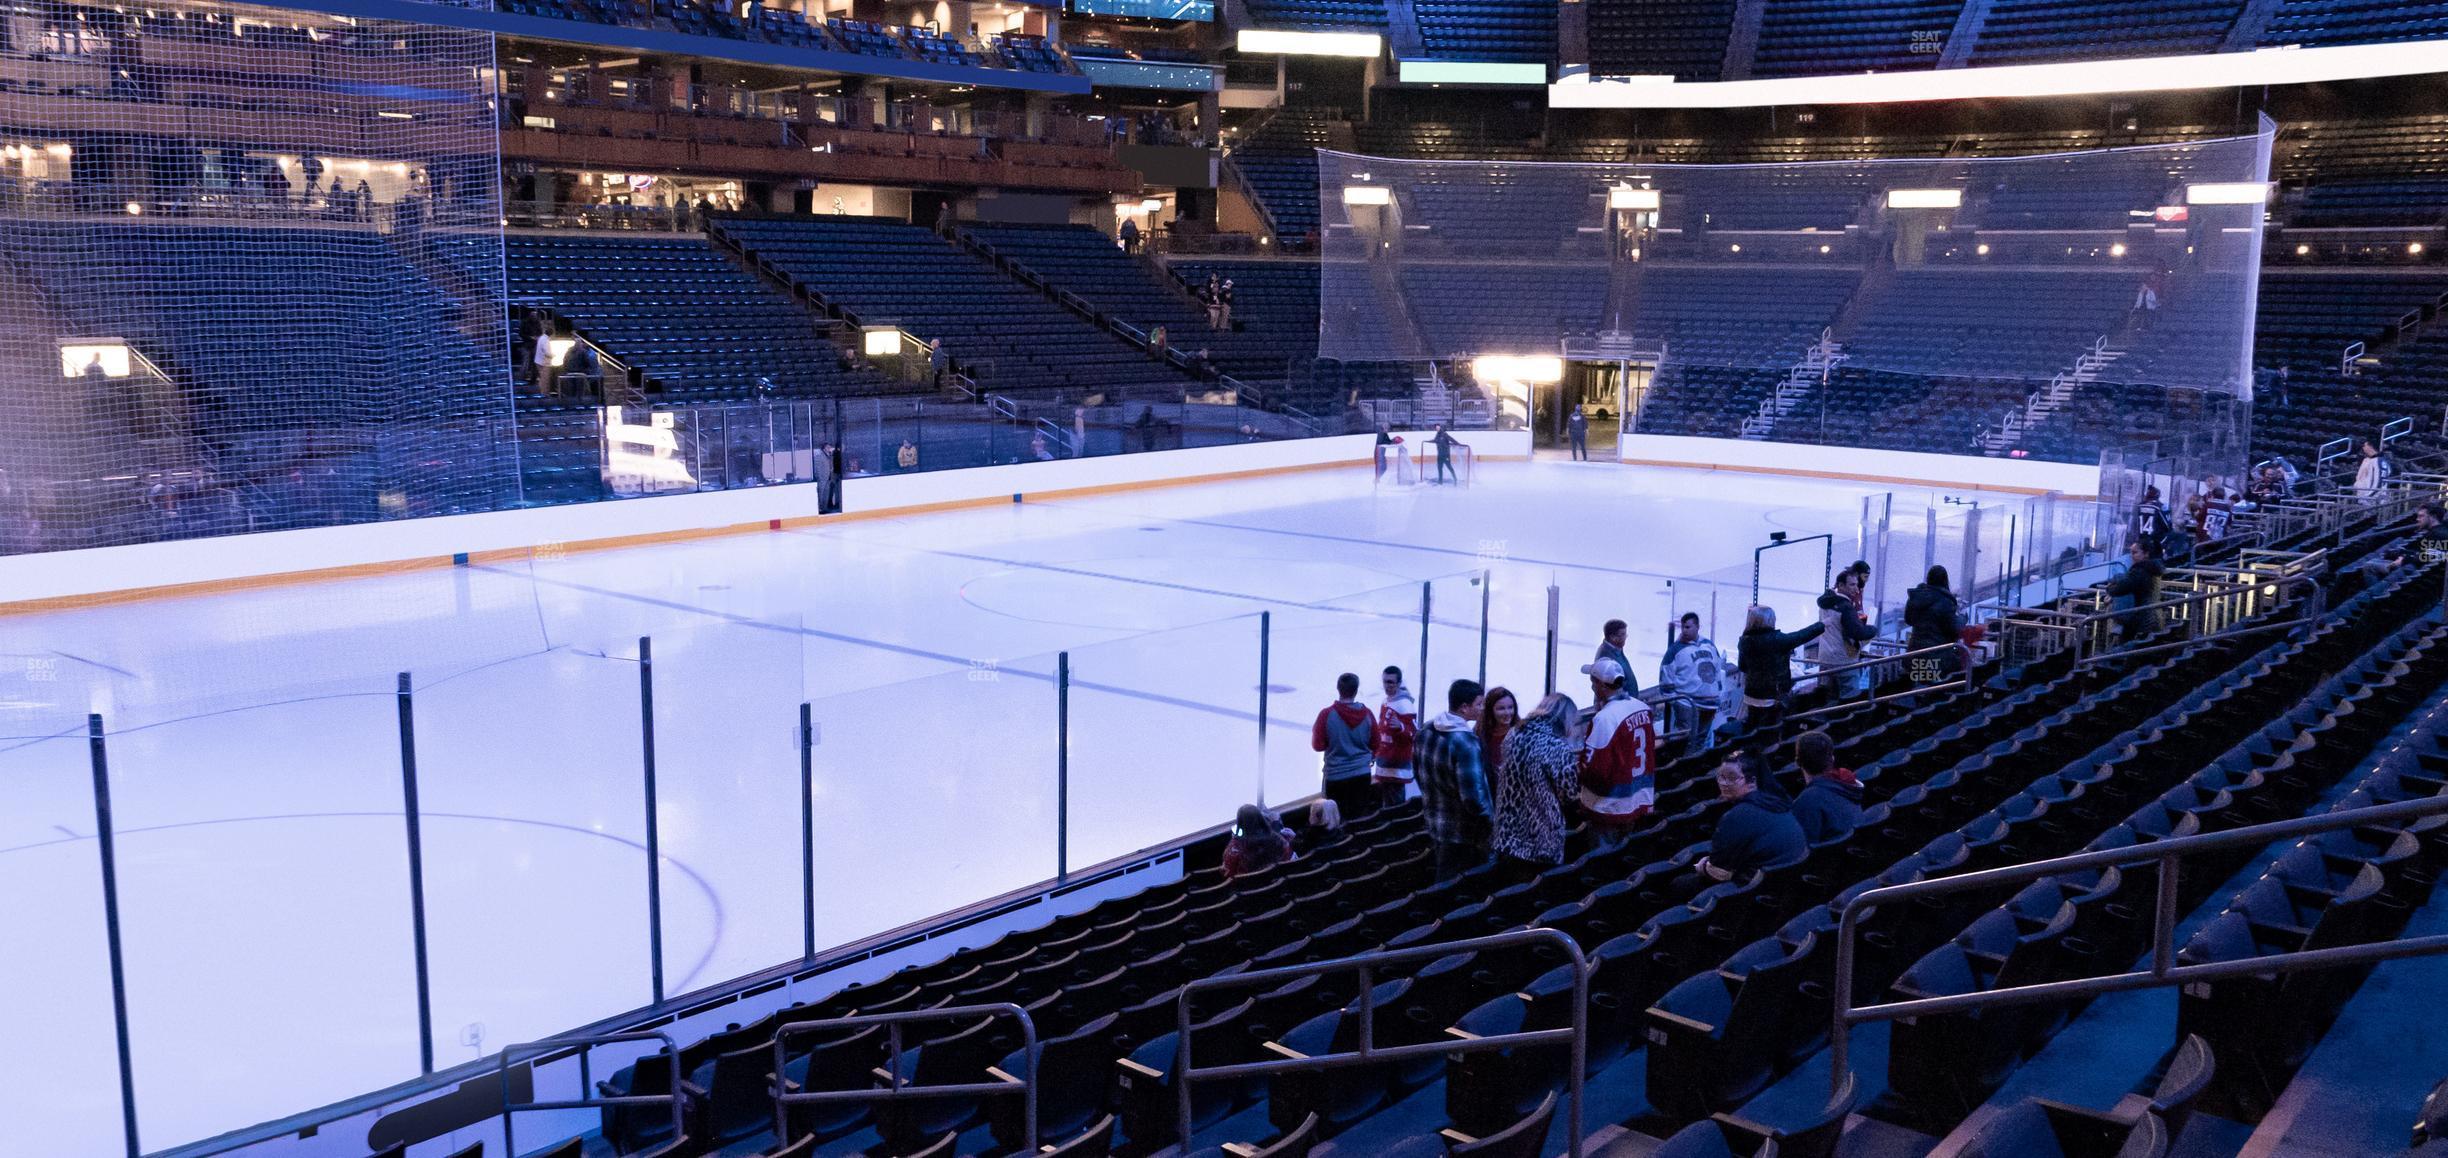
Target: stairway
2049, 399
1801, 379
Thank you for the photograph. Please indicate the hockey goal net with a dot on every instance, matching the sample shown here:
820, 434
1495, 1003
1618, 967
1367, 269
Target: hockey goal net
1418, 465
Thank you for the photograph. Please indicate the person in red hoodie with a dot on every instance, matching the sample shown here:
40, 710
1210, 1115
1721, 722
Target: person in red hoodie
1830, 802
1345, 736
1398, 728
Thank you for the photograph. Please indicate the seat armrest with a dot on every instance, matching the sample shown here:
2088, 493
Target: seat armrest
1678, 1019
1459, 1034
1282, 1050
996, 1072
1456, 1137
1133, 1068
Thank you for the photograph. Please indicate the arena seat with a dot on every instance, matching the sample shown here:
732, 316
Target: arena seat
701, 327
1829, 37
1008, 335
1503, 30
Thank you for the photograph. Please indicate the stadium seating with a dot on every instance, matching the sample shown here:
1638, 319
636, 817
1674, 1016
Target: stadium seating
1008, 335
1685, 39
1084, 261
698, 325
2021, 31
2353, 22
1509, 30
1820, 37
1279, 167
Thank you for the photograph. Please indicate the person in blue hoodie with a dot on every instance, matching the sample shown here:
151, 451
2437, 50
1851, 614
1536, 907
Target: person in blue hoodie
1829, 804
1757, 828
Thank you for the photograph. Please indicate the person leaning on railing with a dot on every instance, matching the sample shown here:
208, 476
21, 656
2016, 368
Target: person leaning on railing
2137, 590
1765, 657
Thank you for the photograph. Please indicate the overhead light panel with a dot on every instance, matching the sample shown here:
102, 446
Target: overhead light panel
1365, 45
1625, 197
1925, 198
2227, 193
1367, 195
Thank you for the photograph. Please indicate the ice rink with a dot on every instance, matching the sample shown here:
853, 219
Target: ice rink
254, 748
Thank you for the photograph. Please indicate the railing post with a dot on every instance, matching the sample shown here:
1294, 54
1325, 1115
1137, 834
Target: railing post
105, 840
807, 831
2163, 919
1062, 764
1266, 635
1555, 617
1840, 1030
414, 813
654, 841
1487, 586
1427, 601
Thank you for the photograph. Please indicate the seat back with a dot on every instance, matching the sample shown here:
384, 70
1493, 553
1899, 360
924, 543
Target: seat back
2188, 1074
1522, 1139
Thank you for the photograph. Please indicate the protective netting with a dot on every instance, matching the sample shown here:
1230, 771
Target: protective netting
2043, 305
250, 273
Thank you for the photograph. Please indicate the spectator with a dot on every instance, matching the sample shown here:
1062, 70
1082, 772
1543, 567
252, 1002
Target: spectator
2150, 518
907, 456
1695, 670
1397, 734
1536, 779
2269, 486
939, 361
1346, 736
1445, 443
1611, 642
1830, 802
1577, 428
2218, 507
2281, 380
1224, 305
1934, 618
1325, 817
1765, 656
826, 463
1498, 713
364, 201
2136, 590
2371, 471
1453, 782
1757, 830
1258, 842
1211, 296
1156, 340
1130, 236
1619, 763
2146, 298
1386, 441
2428, 544
1845, 630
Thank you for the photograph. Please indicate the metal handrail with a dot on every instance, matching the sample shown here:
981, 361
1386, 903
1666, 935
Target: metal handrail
2163, 968
586, 1080
1367, 964
1025, 1086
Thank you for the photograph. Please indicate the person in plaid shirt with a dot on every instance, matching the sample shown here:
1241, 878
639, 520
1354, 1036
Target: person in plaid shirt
1453, 783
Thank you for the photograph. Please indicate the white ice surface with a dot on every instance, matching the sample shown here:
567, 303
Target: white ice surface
255, 771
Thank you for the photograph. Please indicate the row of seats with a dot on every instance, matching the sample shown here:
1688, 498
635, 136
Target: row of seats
1083, 260
1508, 30
699, 326
1007, 335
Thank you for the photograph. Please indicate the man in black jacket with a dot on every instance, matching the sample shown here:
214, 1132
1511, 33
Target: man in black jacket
2139, 587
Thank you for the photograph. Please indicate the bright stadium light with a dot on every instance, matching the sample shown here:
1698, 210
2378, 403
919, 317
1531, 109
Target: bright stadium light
1365, 45
1367, 195
881, 341
2117, 250
1510, 368
1151, 205
1925, 198
1626, 197
2414, 248
2227, 193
